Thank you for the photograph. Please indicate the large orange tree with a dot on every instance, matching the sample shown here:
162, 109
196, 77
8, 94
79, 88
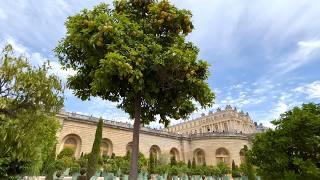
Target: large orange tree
136, 54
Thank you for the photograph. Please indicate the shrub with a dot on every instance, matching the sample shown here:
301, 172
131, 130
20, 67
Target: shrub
223, 169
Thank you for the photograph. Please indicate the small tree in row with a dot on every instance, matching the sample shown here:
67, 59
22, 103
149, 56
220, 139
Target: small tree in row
95, 152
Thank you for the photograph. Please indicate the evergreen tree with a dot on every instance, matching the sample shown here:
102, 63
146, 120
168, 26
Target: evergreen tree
235, 170
30, 97
173, 161
204, 164
233, 165
194, 163
151, 163
189, 164
95, 152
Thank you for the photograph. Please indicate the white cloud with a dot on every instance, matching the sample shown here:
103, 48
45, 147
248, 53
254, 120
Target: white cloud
19, 48
304, 54
312, 90
2, 15
37, 59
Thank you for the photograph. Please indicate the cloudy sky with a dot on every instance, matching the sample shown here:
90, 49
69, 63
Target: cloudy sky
264, 54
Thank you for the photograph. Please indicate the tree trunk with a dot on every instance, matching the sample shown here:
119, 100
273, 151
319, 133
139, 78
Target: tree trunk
135, 141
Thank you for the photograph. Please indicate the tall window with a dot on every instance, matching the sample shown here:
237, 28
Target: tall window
174, 153
155, 151
70, 143
226, 127
104, 149
222, 155
199, 156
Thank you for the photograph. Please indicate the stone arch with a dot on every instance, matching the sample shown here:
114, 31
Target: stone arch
199, 156
222, 155
129, 147
174, 152
106, 147
155, 151
72, 141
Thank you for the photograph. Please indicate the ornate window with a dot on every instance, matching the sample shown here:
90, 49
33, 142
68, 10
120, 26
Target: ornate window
155, 151
71, 142
226, 127
199, 156
174, 153
222, 155
106, 147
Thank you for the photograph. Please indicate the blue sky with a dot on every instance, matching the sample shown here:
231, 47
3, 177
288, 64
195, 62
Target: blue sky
265, 54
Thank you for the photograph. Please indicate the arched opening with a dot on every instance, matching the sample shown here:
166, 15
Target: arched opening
222, 155
72, 141
155, 152
106, 147
199, 156
174, 153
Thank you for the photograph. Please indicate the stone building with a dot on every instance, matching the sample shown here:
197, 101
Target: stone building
227, 120
219, 136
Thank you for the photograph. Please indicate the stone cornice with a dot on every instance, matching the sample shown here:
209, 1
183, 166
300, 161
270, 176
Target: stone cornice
144, 130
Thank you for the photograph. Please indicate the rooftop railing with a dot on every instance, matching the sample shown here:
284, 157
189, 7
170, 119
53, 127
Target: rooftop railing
149, 129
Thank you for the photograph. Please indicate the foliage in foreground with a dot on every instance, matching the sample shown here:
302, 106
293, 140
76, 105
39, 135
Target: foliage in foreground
29, 100
291, 151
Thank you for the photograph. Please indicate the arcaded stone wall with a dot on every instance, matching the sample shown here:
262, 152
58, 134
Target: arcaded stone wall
119, 137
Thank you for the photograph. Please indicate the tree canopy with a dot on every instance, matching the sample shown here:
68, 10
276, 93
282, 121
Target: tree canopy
29, 99
137, 48
136, 54
292, 150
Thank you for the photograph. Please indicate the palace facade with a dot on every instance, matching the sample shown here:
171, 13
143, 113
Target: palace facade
211, 138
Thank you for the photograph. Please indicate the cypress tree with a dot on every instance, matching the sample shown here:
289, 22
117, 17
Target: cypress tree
173, 161
193, 163
204, 164
233, 165
189, 164
233, 169
151, 163
95, 152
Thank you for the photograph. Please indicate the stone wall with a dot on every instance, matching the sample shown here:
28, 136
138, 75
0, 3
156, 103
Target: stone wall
118, 136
